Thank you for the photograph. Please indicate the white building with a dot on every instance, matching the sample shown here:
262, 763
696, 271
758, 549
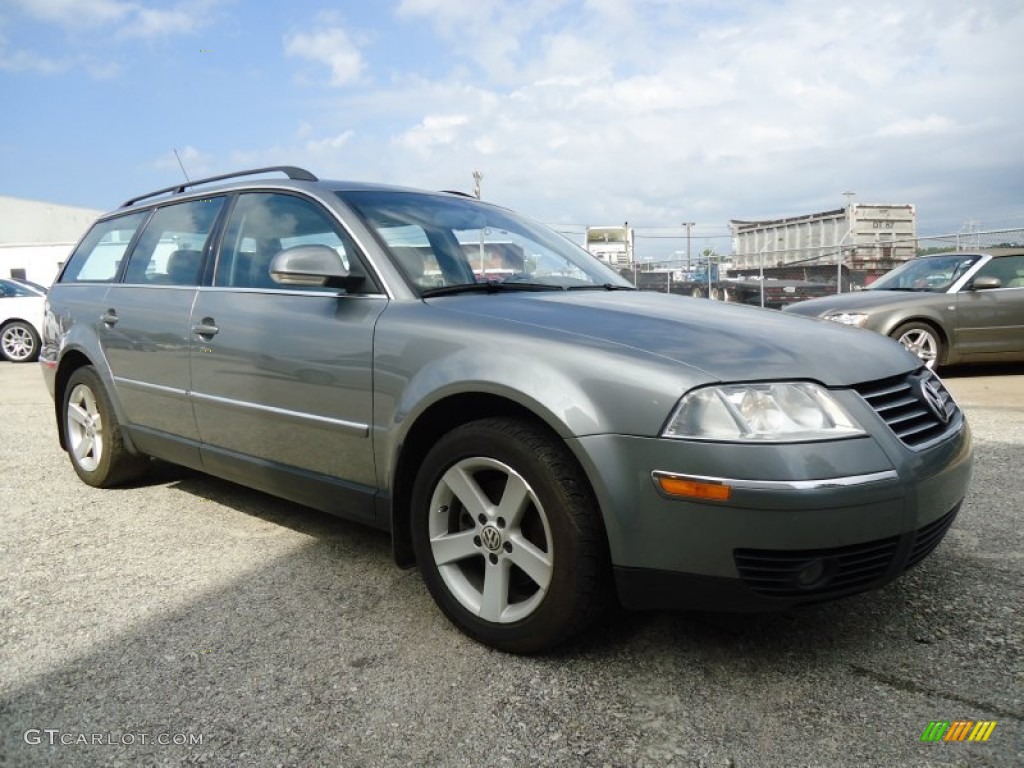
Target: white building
865, 234
36, 237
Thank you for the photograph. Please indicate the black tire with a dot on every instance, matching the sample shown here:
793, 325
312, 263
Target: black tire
924, 340
697, 292
19, 342
555, 532
92, 433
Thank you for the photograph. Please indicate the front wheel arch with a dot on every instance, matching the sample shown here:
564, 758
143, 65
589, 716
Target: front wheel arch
441, 417
925, 325
546, 574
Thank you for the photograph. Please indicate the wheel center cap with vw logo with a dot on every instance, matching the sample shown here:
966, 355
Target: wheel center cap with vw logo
491, 537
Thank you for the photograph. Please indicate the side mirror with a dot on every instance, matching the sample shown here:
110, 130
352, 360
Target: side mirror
312, 265
985, 283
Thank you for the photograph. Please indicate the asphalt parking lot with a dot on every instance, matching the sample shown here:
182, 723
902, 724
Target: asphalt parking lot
186, 620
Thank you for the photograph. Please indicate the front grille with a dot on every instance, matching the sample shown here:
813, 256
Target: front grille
776, 572
917, 407
927, 538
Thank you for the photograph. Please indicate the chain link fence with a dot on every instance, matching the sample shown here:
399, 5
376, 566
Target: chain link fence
835, 269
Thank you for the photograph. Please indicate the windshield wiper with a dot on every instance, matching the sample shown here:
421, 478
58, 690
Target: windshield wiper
601, 287
489, 286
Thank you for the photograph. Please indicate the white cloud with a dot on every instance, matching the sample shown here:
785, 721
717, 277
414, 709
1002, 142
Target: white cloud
329, 144
29, 61
77, 12
151, 22
196, 163
330, 46
128, 18
432, 131
915, 126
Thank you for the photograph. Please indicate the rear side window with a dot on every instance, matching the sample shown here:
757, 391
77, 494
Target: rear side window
170, 250
98, 257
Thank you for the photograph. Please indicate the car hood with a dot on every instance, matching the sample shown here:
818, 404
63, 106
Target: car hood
727, 342
855, 300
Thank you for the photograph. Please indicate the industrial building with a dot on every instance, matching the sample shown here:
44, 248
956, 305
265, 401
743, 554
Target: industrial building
864, 235
36, 237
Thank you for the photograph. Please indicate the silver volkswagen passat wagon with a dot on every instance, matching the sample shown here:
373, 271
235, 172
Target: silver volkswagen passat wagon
538, 437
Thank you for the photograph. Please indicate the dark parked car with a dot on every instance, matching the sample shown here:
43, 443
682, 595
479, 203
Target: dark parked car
540, 439
950, 308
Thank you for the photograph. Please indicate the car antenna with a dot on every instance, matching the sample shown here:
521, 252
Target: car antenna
182, 165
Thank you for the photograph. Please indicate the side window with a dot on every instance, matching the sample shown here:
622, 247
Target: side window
97, 258
170, 250
1009, 269
261, 225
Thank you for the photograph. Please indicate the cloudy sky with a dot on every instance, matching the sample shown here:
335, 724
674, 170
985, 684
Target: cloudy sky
576, 112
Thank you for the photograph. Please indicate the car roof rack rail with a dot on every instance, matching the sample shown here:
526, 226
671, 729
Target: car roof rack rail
291, 171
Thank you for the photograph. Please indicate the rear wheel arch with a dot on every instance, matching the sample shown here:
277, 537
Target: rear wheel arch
70, 363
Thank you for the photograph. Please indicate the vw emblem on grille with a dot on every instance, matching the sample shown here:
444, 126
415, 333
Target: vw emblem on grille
491, 538
934, 399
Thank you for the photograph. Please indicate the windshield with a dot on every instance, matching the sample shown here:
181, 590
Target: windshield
16, 288
934, 274
442, 242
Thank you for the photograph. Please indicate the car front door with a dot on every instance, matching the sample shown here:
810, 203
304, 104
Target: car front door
282, 375
991, 321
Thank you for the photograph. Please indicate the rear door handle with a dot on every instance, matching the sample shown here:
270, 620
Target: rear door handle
109, 318
206, 328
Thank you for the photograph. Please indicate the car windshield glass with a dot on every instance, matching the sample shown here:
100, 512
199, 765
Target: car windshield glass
934, 274
441, 241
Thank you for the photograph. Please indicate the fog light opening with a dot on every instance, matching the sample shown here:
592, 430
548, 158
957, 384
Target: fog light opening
816, 573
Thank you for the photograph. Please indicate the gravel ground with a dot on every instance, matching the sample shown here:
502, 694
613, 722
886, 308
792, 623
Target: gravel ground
244, 631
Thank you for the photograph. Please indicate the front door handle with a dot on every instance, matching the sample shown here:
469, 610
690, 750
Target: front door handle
109, 318
206, 328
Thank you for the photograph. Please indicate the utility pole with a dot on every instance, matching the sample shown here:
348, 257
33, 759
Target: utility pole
688, 224
849, 232
477, 178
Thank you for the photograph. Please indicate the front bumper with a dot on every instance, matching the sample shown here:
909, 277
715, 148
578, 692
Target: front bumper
777, 543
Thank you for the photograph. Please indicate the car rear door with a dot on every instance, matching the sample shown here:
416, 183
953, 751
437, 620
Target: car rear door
282, 375
144, 326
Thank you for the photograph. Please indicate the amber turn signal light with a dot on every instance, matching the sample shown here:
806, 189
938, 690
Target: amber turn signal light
678, 486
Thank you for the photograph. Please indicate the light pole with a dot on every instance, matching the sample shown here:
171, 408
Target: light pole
849, 231
688, 224
477, 178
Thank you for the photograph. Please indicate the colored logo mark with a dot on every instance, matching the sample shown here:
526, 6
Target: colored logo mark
958, 730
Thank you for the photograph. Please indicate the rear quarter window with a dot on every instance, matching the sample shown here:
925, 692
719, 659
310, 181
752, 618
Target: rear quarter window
97, 259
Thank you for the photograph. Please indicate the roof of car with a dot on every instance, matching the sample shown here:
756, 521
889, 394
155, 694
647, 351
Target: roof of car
297, 178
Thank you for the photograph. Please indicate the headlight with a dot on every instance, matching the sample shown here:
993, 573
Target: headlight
847, 318
782, 412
